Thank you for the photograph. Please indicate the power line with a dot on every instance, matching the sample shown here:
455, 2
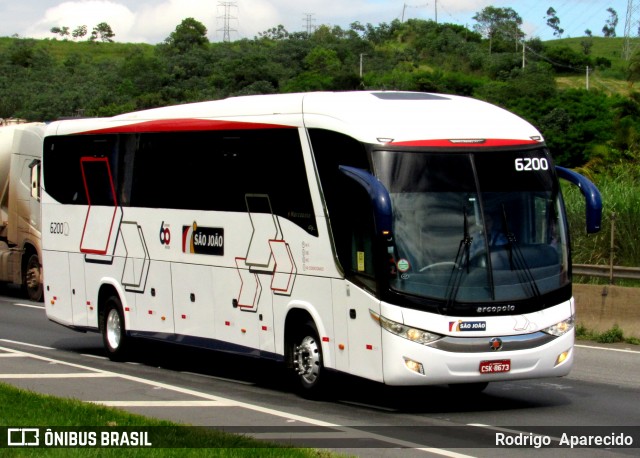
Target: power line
554, 63
405, 6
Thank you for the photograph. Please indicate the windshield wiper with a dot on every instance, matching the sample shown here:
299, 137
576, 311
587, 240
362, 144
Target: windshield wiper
517, 260
462, 260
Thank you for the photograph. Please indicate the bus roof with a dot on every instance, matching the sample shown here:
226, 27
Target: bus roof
378, 117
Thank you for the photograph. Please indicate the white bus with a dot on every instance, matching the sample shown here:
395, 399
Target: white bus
329, 231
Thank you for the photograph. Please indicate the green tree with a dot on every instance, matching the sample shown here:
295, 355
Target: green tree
22, 52
553, 21
609, 29
566, 60
322, 65
275, 33
142, 78
249, 67
587, 43
62, 31
498, 24
591, 123
381, 33
322, 60
188, 34
103, 32
187, 60
79, 32
633, 71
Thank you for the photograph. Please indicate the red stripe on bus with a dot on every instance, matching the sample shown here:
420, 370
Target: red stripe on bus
184, 125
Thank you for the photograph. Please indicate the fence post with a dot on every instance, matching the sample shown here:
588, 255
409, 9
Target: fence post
612, 247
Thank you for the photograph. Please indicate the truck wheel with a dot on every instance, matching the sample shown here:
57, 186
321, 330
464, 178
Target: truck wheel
307, 360
114, 335
33, 279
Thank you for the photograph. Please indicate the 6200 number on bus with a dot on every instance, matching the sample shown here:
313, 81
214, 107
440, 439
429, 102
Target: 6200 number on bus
527, 164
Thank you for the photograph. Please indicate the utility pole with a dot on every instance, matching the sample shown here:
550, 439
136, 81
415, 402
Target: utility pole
524, 46
361, 56
587, 77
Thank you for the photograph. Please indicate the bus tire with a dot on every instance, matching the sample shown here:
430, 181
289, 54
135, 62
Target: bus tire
114, 335
32, 278
307, 361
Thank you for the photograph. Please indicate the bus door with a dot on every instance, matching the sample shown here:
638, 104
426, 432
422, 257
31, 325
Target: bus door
362, 354
154, 309
354, 227
79, 306
193, 300
98, 240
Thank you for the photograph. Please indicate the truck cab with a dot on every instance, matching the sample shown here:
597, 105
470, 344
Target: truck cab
20, 227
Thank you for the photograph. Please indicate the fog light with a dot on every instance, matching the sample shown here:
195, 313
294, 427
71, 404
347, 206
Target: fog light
414, 366
562, 357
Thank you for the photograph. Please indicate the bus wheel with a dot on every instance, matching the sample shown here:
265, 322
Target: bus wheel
33, 279
307, 359
114, 334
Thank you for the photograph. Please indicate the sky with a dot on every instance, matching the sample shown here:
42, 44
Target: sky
152, 21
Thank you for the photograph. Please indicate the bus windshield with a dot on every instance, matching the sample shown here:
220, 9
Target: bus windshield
475, 227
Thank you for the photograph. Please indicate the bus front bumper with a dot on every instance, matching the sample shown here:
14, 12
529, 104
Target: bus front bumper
466, 360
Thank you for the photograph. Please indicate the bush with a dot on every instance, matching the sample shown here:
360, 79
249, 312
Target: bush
613, 335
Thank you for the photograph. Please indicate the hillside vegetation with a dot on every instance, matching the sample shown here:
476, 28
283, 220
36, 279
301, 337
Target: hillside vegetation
597, 130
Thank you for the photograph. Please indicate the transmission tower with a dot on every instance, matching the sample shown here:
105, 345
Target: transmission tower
309, 20
631, 29
226, 18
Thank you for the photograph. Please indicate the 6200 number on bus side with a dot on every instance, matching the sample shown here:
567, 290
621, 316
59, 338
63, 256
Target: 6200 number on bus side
59, 228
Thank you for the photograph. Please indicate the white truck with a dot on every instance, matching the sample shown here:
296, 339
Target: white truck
20, 229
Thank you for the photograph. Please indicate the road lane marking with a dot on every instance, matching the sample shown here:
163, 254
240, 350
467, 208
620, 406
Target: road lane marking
26, 344
73, 375
622, 350
222, 379
221, 401
19, 304
162, 403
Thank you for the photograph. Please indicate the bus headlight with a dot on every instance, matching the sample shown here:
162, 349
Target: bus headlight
560, 328
413, 334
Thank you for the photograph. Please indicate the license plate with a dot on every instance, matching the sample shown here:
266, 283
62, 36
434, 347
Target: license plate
495, 367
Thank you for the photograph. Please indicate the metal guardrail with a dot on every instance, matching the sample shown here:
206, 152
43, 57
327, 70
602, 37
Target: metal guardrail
610, 272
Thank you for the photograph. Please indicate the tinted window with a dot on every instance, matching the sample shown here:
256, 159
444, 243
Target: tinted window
211, 170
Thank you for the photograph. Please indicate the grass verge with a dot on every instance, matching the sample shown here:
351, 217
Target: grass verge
22, 409
613, 335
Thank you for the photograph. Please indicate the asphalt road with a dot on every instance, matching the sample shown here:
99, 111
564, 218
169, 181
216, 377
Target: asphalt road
360, 418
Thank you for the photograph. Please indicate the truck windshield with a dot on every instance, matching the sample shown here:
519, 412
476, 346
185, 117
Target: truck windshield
479, 227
